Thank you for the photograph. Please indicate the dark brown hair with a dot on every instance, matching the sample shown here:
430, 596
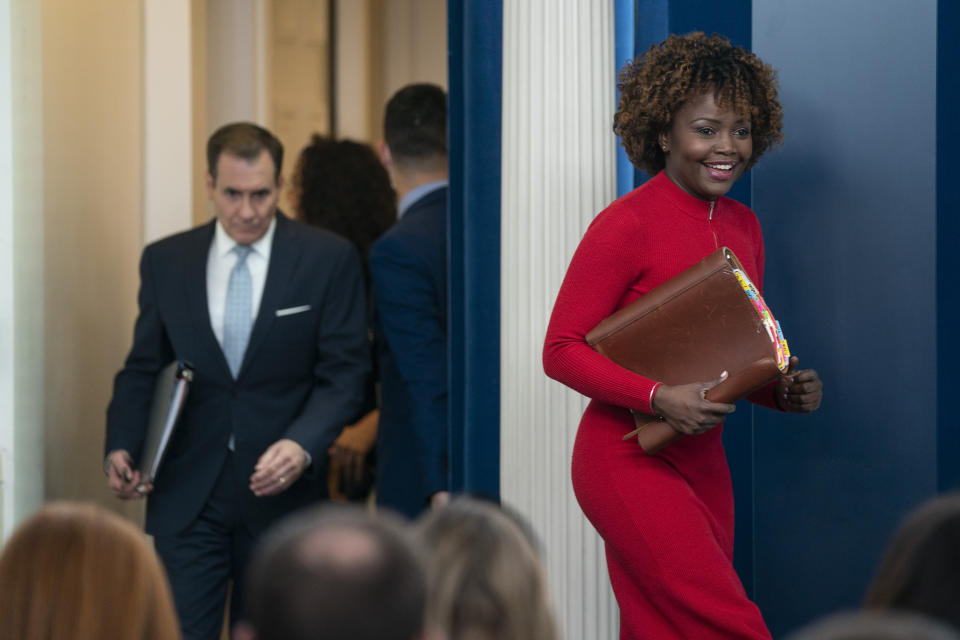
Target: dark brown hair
415, 125
875, 625
342, 186
920, 570
655, 85
244, 140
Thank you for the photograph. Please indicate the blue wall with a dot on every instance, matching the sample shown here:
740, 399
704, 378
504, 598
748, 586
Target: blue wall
848, 208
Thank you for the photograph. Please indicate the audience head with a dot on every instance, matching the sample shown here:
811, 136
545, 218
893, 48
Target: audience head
875, 625
335, 573
415, 129
79, 572
921, 568
484, 577
244, 140
342, 186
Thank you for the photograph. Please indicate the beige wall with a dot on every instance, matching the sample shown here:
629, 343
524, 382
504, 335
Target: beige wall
415, 42
383, 45
92, 131
198, 86
358, 60
233, 52
167, 157
297, 52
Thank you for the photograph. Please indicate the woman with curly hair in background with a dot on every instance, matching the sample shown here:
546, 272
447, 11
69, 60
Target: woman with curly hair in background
340, 185
695, 112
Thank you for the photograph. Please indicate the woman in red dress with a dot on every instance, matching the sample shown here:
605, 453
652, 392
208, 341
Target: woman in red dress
695, 112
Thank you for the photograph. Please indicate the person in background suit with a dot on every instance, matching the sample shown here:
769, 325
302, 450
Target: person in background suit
336, 573
408, 265
270, 314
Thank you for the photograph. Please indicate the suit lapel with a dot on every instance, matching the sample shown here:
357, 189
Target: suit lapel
195, 284
283, 259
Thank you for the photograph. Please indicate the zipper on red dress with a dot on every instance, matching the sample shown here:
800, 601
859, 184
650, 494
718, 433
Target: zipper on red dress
716, 240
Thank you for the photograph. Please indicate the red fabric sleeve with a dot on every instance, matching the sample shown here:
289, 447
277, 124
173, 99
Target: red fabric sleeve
603, 267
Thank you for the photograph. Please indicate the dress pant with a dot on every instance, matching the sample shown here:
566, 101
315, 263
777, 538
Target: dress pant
202, 559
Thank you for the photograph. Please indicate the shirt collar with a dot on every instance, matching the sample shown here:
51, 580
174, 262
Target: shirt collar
224, 244
417, 193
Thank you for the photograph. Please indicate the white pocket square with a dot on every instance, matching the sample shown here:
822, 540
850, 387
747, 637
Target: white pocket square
289, 311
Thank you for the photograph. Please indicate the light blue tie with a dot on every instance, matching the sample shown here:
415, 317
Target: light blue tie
238, 311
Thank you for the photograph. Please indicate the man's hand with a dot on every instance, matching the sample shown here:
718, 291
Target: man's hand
123, 479
686, 409
280, 466
799, 391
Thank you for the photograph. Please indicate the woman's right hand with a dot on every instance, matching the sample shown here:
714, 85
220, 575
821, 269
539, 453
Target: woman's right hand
685, 407
353, 444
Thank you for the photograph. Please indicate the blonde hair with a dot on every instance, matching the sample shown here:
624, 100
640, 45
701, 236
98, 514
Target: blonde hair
484, 576
78, 572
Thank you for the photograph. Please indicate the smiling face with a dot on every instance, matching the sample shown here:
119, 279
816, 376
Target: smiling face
707, 148
244, 195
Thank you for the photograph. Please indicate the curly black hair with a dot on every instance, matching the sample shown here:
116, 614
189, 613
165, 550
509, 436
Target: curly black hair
342, 186
655, 85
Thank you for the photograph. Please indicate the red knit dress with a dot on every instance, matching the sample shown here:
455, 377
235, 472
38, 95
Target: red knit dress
666, 519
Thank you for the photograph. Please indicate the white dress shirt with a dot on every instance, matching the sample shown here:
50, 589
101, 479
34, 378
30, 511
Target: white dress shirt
220, 263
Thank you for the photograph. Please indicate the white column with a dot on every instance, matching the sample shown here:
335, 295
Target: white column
235, 51
7, 443
352, 57
558, 172
261, 62
21, 264
168, 129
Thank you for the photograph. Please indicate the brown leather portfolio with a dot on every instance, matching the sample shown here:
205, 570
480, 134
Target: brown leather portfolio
692, 328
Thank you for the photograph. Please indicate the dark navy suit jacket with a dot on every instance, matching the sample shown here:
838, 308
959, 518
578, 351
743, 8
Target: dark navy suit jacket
409, 268
302, 377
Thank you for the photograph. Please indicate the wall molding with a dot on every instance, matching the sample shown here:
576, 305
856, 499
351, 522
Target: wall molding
558, 172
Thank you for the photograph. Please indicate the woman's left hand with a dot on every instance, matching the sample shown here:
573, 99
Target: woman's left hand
799, 391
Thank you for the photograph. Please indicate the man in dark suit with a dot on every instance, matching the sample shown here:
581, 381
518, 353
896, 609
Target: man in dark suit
409, 268
270, 314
